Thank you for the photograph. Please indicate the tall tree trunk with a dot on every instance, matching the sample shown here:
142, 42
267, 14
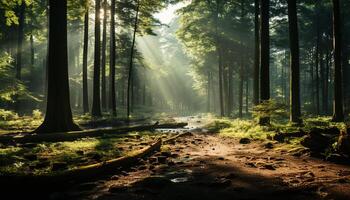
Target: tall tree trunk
317, 59
32, 59
58, 116
85, 62
103, 60
208, 92
295, 114
338, 112
96, 101
129, 84
112, 92
20, 40
257, 55
265, 57
230, 90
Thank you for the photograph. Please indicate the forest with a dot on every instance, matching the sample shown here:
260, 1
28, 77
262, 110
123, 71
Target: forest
174, 99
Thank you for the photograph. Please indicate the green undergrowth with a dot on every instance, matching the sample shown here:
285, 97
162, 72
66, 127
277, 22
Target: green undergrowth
248, 128
46, 158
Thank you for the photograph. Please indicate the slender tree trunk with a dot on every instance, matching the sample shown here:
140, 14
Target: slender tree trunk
58, 116
295, 114
338, 112
20, 40
230, 90
112, 92
265, 57
85, 63
208, 92
32, 60
103, 60
317, 54
96, 102
129, 84
257, 55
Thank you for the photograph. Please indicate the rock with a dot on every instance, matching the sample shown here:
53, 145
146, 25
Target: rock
94, 156
221, 182
43, 164
343, 180
153, 160
268, 145
142, 167
154, 182
59, 166
30, 156
162, 159
80, 152
117, 189
115, 177
244, 141
166, 153
316, 141
269, 167
338, 158
87, 186
280, 137
171, 163
344, 143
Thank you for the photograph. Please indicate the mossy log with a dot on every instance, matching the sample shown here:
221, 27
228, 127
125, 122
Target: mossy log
71, 136
63, 179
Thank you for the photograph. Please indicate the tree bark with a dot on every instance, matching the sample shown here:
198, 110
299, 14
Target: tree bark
96, 101
58, 116
265, 57
257, 55
112, 92
103, 60
20, 37
295, 114
85, 62
129, 84
338, 112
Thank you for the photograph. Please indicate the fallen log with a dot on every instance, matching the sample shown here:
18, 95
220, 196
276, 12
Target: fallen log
63, 179
71, 136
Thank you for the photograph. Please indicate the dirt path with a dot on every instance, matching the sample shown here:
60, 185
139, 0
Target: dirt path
204, 166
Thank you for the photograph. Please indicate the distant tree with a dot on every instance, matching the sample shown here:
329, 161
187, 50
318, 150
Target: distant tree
58, 116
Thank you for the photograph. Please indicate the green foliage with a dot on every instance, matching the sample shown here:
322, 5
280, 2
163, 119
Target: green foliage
271, 109
8, 115
11, 88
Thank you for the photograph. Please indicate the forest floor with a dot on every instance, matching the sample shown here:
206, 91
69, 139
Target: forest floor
209, 166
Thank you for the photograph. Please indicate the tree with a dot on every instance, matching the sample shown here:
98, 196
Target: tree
129, 84
257, 55
265, 56
58, 116
295, 114
96, 101
112, 95
20, 40
85, 60
338, 113
103, 60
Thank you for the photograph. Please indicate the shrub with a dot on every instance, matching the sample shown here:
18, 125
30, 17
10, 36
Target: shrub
271, 109
8, 115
